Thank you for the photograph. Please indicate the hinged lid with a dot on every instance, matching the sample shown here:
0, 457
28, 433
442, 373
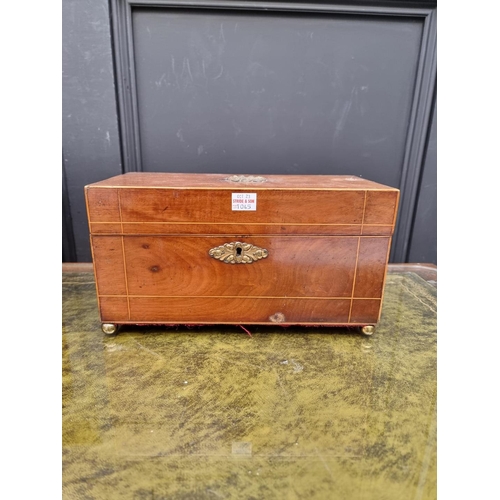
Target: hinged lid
170, 203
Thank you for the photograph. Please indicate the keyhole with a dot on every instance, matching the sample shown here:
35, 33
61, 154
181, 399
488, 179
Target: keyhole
238, 251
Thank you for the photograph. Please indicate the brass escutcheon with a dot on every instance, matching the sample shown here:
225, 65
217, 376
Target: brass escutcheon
238, 253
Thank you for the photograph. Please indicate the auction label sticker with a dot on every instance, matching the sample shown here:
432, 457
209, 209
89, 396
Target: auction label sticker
244, 201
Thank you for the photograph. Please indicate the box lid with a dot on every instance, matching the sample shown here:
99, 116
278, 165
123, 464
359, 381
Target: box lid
173, 203
228, 181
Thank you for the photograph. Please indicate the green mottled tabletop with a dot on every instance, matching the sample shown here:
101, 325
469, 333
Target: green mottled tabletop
288, 413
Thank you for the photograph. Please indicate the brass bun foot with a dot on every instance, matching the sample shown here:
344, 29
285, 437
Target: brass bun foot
109, 328
368, 330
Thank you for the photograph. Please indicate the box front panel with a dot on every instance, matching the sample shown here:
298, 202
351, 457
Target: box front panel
294, 267
171, 279
236, 310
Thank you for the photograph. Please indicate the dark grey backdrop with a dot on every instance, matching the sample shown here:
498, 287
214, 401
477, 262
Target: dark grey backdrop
252, 87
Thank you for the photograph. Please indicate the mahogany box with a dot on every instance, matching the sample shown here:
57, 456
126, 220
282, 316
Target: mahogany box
212, 248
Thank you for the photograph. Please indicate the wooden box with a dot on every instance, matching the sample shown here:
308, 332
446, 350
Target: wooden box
214, 248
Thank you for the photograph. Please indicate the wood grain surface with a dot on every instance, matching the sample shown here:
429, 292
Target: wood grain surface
166, 180
207, 228
327, 238
183, 206
425, 271
235, 310
295, 267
